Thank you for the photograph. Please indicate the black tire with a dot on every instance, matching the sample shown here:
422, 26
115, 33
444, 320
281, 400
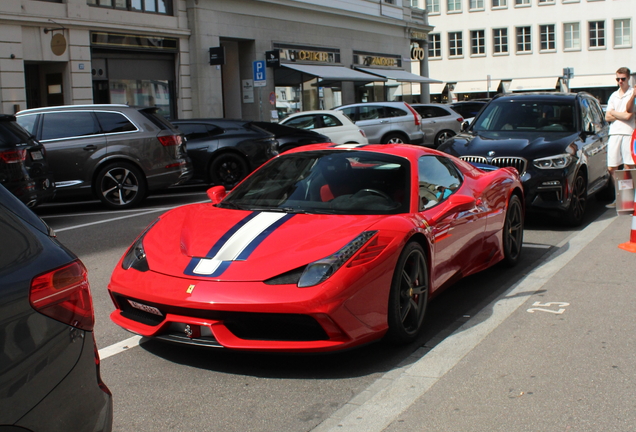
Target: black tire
408, 298
578, 202
228, 169
443, 136
120, 185
513, 232
394, 138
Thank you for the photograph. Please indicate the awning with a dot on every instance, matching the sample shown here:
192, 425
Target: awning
528, 84
435, 88
480, 86
332, 73
590, 81
398, 75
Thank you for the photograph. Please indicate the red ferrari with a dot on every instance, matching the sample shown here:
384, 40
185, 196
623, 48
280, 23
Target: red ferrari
322, 248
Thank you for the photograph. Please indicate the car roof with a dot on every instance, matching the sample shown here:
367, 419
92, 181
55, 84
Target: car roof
537, 95
403, 150
78, 107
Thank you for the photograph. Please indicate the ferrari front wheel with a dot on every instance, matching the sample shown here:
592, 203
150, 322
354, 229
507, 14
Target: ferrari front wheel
513, 232
409, 295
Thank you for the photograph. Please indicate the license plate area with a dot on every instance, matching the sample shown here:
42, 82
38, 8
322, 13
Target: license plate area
150, 309
36, 155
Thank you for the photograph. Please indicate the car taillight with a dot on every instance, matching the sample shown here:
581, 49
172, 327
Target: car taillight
13, 156
460, 119
64, 295
170, 140
415, 114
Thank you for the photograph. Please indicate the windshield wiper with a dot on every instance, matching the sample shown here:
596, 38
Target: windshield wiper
230, 205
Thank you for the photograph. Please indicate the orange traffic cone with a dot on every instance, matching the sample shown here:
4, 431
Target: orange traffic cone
631, 244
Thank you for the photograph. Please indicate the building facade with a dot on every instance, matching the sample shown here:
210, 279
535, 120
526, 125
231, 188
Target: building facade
196, 58
482, 47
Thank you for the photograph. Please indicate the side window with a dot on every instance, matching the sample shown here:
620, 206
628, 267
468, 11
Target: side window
438, 179
439, 112
28, 122
330, 121
68, 124
597, 114
370, 113
395, 112
587, 116
302, 122
193, 131
112, 122
350, 112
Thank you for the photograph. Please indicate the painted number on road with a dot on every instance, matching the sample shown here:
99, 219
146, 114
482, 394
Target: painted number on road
541, 307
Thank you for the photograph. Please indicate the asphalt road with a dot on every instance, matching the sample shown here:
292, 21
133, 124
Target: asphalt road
160, 387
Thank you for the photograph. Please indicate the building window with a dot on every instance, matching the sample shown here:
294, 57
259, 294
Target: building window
571, 36
432, 6
150, 6
522, 2
389, 1
455, 44
434, 45
544, 2
622, 33
476, 4
597, 34
477, 43
500, 40
548, 37
499, 3
524, 40
454, 5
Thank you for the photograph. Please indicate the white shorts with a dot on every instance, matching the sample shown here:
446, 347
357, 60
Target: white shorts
619, 151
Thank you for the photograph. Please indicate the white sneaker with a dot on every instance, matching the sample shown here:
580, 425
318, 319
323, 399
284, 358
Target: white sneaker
611, 205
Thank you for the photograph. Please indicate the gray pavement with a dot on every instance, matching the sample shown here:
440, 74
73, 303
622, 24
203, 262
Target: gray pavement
554, 353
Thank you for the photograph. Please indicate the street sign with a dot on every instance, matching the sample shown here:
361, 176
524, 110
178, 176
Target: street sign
272, 58
260, 78
217, 55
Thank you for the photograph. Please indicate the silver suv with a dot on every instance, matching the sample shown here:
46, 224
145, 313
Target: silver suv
386, 122
116, 152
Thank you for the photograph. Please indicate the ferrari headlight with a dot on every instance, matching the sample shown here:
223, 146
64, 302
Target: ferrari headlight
554, 162
319, 271
136, 255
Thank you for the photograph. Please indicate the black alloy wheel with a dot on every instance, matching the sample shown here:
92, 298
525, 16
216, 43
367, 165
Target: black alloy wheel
408, 298
228, 169
513, 232
443, 136
578, 202
120, 185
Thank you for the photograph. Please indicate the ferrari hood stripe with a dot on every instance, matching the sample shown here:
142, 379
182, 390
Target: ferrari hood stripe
237, 243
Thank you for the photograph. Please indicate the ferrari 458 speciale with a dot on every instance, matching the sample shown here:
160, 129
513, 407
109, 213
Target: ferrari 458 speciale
322, 248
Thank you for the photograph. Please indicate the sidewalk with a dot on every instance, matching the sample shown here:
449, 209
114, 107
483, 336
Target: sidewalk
564, 364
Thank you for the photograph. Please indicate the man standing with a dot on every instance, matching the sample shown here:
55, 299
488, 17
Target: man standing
620, 112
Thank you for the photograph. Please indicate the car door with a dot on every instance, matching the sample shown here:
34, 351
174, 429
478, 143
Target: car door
595, 136
372, 119
201, 142
74, 144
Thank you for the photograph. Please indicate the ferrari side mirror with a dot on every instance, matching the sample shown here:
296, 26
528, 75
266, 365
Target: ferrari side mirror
216, 194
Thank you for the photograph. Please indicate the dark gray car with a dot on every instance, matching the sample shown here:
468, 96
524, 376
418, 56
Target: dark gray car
118, 153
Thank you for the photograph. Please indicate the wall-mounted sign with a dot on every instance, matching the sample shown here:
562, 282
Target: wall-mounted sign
415, 34
373, 59
417, 53
248, 91
258, 69
58, 44
217, 55
272, 58
132, 41
300, 53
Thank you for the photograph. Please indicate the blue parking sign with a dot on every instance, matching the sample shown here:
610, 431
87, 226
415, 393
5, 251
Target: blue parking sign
260, 79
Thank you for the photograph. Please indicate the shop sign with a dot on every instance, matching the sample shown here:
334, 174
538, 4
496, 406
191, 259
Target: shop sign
217, 55
415, 34
133, 41
310, 56
272, 58
417, 53
380, 60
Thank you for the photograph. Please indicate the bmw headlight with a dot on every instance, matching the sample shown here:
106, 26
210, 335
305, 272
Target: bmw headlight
554, 162
319, 271
135, 257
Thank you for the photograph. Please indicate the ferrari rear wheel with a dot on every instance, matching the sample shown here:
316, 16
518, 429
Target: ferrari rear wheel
513, 232
409, 295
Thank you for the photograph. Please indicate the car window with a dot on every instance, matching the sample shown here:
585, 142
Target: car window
302, 122
370, 112
394, 112
350, 112
593, 119
68, 124
28, 122
330, 121
438, 179
431, 111
527, 115
194, 130
11, 133
112, 122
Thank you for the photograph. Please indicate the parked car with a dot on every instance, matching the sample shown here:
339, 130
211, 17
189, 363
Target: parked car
557, 142
117, 153
224, 151
290, 137
439, 122
386, 122
24, 170
468, 109
49, 364
336, 125
323, 248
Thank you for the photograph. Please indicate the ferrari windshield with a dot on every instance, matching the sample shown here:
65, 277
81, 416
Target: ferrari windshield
526, 115
327, 181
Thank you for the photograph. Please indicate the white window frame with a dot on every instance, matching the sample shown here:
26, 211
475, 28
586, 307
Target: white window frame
455, 43
597, 38
522, 3
434, 45
499, 4
497, 34
433, 7
526, 43
476, 5
626, 33
454, 6
478, 42
573, 35
551, 44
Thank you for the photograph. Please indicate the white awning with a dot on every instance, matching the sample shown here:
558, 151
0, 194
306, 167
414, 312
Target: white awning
590, 81
332, 73
436, 88
529, 84
399, 75
480, 86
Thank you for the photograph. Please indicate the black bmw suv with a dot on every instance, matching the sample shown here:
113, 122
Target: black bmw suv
557, 142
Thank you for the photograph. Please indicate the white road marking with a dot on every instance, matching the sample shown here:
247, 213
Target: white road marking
536, 246
381, 403
119, 347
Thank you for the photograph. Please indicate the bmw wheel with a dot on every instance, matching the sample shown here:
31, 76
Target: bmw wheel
578, 201
408, 298
228, 169
513, 232
120, 185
